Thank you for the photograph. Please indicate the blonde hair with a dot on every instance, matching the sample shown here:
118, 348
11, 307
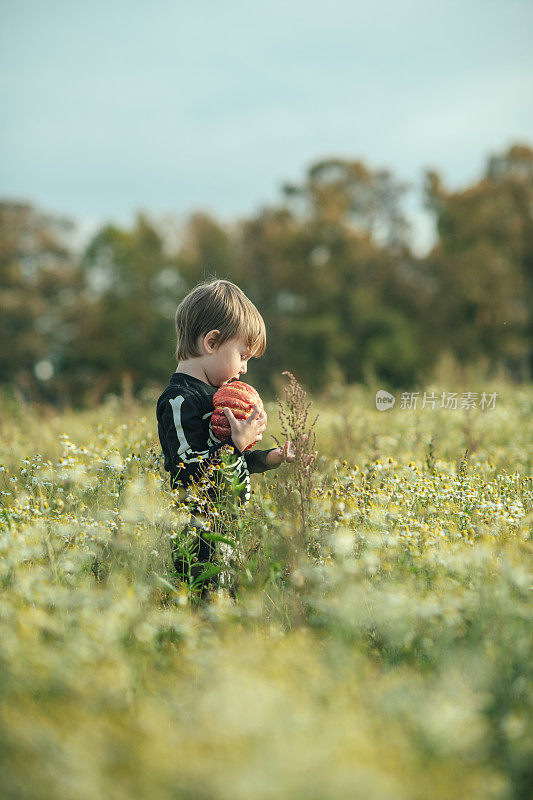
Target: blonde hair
218, 305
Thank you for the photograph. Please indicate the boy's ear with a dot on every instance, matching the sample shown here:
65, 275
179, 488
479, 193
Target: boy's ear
210, 339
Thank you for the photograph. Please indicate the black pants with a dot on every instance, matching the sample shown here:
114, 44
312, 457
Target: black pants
202, 548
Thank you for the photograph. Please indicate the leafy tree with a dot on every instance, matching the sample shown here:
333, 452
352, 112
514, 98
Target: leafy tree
207, 250
483, 263
38, 290
329, 266
125, 338
322, 265
348, 193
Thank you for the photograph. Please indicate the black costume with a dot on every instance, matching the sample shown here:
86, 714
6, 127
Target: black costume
189, 446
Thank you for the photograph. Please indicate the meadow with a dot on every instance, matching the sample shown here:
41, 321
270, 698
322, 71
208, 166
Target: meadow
380, 651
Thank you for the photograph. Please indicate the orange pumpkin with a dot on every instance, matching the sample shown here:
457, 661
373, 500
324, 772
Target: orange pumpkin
238, 396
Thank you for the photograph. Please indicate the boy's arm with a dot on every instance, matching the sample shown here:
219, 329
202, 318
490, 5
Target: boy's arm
256, 460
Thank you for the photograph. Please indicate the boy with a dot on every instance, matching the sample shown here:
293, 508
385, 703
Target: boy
218, 330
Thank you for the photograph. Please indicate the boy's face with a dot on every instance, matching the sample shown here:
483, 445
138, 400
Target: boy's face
228, 361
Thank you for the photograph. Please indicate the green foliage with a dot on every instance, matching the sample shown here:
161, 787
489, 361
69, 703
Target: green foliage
329, 267
482, 265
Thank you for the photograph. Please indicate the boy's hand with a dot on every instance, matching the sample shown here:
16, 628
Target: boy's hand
247, 431
288, 454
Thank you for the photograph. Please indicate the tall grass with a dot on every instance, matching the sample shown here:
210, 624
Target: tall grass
385, 654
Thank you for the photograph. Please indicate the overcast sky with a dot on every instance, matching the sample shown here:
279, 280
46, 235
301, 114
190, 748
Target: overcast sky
116, 106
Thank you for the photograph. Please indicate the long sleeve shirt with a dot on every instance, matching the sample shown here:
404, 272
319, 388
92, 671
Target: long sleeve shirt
188, 443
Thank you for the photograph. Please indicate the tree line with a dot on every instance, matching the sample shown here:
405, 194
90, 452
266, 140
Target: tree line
329, 267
